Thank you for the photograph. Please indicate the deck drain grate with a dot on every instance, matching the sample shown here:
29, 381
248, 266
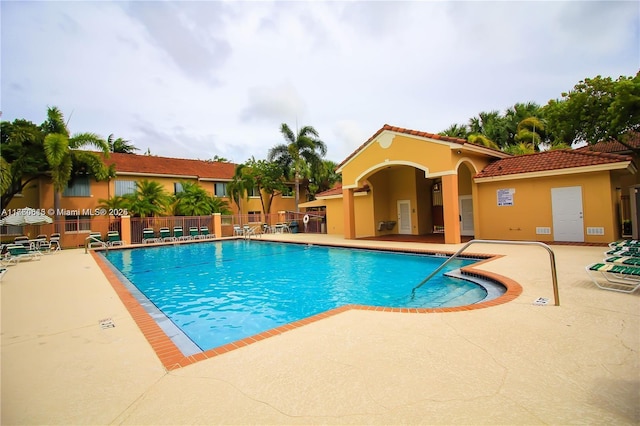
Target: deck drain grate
107, 323
541, 301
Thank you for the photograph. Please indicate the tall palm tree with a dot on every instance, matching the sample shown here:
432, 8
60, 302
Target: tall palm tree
64, 155
240, 185
150, 199
303, 148
531, 131
518, 112
120, 145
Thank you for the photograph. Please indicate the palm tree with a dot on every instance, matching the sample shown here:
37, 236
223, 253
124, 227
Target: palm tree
240, 185
150, 199
193, 200
120, 145
520, 148
323, 178
5, 175
218, 205
531, 131
64, 156
482, 140
518, 112
456, 131
304, 148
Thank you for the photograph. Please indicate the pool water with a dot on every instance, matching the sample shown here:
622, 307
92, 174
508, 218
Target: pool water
219, 292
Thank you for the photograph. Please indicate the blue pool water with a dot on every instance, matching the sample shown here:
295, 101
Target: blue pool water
219, 292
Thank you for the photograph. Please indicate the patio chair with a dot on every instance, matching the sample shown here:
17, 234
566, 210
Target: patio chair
615, 277
178, 234
20, 253
625, 243
5, 257
113, 239
237, 230
149, 236
193, 233
44, 246
23, 240
165, 235
204, 232
624, 251
623, 260
54, 242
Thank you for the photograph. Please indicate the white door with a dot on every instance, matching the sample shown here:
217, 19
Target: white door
466, 215
404, 217
566, 207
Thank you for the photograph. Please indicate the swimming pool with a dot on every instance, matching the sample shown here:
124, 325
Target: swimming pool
220, 292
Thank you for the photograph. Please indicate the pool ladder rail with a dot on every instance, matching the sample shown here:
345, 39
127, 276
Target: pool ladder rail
91, 240
552, 258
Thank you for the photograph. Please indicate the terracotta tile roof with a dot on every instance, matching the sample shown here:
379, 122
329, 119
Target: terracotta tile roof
152, 165
414, 133
614, 146
549, 160
337, 190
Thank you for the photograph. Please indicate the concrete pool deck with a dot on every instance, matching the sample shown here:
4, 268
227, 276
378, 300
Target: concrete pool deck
72, 354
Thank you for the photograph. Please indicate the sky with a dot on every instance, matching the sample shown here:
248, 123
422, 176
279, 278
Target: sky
196, 79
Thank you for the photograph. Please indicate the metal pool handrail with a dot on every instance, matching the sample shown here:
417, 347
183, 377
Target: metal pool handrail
552, 259
94, 239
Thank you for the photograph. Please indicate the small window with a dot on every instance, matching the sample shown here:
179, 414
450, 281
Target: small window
287, 191
177, 187
124, 187
220, 189
78, 186
254, 192
77, 223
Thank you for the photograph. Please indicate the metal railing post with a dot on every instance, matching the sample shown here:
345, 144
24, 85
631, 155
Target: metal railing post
552, 258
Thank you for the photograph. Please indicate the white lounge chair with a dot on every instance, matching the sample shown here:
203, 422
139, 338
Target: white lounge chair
615, 276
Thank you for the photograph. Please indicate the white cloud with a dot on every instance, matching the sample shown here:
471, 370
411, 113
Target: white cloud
198, 79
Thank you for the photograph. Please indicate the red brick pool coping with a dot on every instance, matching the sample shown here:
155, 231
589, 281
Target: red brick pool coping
172, 358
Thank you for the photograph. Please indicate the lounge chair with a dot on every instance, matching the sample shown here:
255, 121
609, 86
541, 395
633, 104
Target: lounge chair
204, 232
615, 277
113, 239
178, 234
165, 235
54, 242
631, 252
2, 272
193, 233
6, 259
623, 260
148, 236
24, 240
20, 253
625, 243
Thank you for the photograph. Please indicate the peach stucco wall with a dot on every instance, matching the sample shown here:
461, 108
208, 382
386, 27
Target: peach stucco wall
532, 207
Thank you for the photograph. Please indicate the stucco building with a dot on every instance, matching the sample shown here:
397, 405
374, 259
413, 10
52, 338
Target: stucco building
404, 181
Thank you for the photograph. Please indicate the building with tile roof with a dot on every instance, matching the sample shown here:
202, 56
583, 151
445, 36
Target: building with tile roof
84, 194
403, 181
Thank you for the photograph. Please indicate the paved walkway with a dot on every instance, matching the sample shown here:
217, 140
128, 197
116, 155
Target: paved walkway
516, 363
